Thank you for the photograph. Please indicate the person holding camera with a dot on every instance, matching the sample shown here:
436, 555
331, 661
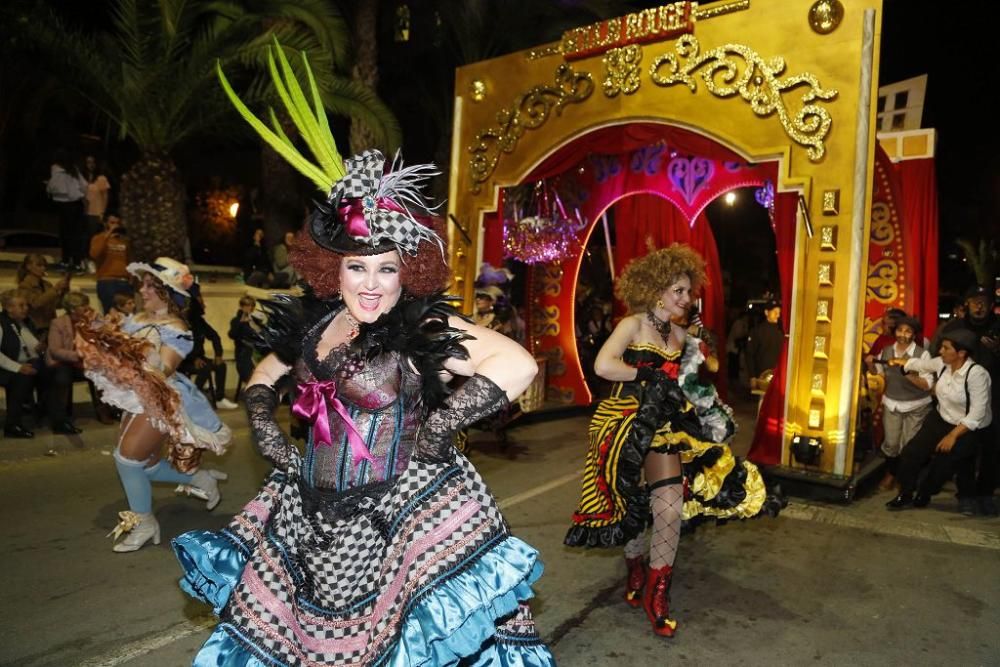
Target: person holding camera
110, 251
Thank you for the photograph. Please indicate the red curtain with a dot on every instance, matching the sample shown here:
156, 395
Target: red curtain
642, 218
767, 436
624, 139
918, 190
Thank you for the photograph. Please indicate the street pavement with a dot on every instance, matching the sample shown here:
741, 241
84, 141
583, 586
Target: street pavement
821, 585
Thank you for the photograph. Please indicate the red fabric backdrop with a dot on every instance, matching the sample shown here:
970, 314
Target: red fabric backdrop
770, 426
918, 187
645, 217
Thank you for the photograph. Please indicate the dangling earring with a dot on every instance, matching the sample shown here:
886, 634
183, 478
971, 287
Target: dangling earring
659, 303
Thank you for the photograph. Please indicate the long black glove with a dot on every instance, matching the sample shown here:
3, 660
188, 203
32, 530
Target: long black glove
479, 397
649, 374
262, 401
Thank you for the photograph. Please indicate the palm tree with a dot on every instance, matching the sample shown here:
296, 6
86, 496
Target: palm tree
982, 258
153, 74
365, 69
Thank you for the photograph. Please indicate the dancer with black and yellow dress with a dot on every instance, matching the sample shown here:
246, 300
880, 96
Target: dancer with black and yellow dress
661, 426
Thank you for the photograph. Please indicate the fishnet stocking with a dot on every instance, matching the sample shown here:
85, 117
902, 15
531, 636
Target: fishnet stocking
666, 503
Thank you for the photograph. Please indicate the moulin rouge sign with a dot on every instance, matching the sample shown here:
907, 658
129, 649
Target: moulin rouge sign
649, 25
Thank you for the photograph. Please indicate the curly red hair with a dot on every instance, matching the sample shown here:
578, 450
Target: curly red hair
422, 274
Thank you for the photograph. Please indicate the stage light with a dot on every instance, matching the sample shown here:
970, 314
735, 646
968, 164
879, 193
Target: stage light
730, 198
234, 208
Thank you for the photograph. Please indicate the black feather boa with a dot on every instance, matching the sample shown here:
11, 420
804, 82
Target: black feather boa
417, 328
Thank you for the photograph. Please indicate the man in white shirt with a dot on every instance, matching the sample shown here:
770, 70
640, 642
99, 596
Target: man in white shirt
949, 435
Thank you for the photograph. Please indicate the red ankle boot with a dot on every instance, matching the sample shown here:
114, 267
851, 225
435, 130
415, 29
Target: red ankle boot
636, 580
656, 601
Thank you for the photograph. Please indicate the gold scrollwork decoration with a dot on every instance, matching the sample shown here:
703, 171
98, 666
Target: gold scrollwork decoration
529, 111
621, 70
551, 279
545, 321
882, 282
882, 231
756, 80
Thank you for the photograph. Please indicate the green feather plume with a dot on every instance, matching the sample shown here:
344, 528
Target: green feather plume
310, 120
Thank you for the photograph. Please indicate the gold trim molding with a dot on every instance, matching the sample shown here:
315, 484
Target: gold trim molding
529, 111
756, 81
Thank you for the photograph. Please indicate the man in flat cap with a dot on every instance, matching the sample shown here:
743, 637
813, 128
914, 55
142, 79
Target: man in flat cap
985, 325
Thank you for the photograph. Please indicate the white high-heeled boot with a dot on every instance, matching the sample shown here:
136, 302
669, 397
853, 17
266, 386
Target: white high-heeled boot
205, 485
140, 528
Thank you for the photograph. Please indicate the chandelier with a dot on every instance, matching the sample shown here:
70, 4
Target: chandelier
536, 225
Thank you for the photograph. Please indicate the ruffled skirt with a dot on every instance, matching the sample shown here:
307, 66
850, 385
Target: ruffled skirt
420, 570
614, 503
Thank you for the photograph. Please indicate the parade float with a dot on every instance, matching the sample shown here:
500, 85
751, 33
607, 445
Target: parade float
688, 102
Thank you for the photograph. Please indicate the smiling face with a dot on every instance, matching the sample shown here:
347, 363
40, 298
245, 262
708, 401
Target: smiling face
904, 334
675, 299
370, 284
151, 301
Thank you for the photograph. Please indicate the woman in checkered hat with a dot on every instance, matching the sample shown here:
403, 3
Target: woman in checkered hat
133, 362
381, 544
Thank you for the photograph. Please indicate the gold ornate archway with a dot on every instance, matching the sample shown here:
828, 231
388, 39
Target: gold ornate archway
762, 78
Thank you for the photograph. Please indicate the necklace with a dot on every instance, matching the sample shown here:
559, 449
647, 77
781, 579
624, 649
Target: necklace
353, 326
662, 326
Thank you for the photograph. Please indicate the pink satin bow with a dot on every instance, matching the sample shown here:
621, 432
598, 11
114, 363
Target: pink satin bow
312, 403
353, 214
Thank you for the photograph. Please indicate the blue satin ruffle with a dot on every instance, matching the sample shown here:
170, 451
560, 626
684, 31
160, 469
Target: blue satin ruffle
460, 614
212, 566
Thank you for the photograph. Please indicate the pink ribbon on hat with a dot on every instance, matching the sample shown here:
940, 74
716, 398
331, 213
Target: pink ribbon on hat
353, 213
312, 405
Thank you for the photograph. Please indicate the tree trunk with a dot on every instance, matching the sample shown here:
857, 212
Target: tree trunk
365, 68
152, 208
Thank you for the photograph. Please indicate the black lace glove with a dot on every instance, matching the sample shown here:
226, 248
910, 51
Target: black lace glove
262, 401
649, 374
479, 397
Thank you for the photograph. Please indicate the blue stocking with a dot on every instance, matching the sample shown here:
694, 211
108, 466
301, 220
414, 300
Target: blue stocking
137, 488
164, 472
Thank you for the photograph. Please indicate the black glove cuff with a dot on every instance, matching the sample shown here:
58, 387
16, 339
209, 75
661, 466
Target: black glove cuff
647, 373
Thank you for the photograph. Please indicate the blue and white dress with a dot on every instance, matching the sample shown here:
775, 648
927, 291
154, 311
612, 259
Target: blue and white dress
196, 425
